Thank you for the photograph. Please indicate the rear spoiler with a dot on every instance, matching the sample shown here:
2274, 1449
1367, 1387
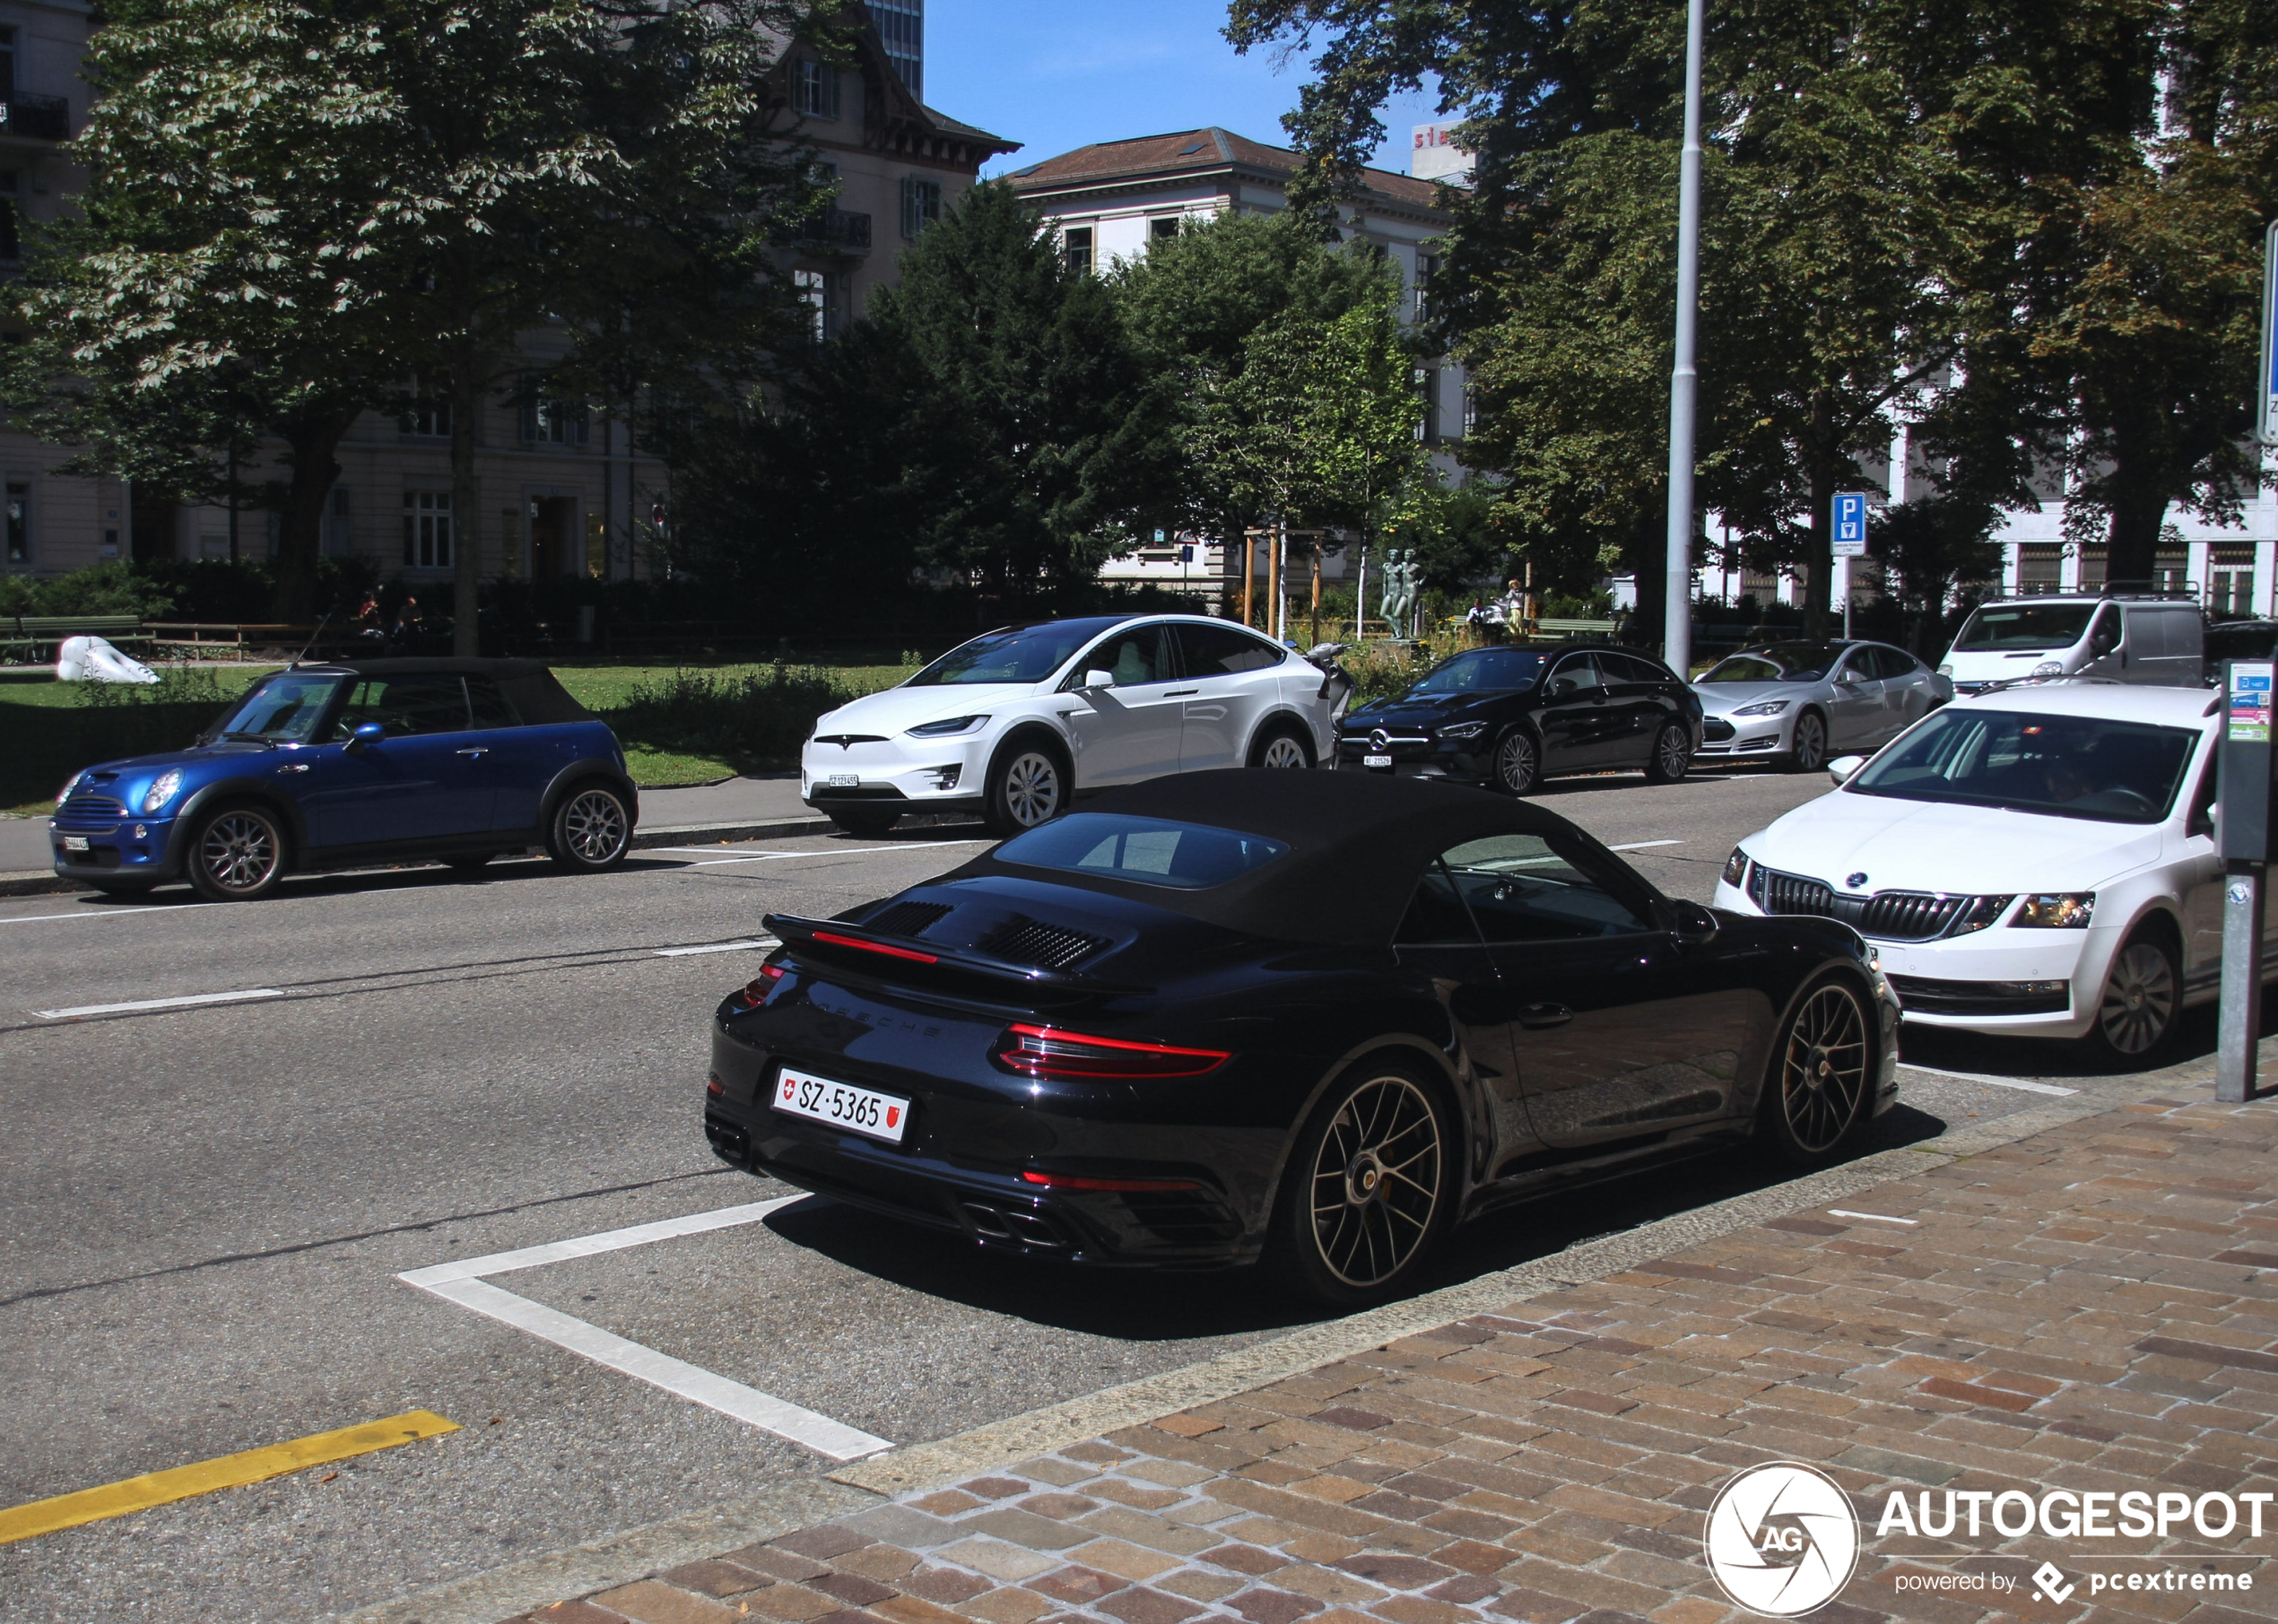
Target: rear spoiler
795, 933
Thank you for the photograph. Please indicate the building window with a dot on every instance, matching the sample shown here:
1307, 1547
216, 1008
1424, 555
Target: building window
430, 417
1162, 226
921, 205
551, 422
818, 291
902, 29
2093, 567
1471, 412
1428, 392
19, 522
427, 530
7, 65
816, 89
338, 542
1427, 268
1076, 247
2230, 580
2171, 570
2039, 566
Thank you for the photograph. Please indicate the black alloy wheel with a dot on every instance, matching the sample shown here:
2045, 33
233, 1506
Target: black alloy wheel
2141, 992
1671, 756
1517, 763
1368, 1189
865, 824
1027, 786
1281, 747
1815, 1096
237, 855
1809, 753
593, 830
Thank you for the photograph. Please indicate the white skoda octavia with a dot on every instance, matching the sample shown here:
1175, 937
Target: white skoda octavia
2038, 862
1015, 723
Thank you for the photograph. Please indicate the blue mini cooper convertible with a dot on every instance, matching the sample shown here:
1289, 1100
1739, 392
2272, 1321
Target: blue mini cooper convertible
359, 762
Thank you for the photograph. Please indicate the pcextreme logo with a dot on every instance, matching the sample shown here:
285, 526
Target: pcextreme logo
1782, 1538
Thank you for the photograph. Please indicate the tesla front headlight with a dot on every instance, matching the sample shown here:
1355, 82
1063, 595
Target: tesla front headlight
161, 790
1764, 707
1735, 868
946, 727
1464, 730
2057, 911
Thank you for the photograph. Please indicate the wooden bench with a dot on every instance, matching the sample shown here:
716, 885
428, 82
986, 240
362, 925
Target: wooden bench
38, 637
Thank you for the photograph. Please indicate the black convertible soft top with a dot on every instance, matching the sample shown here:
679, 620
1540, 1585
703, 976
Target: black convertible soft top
533, 689
1357, 842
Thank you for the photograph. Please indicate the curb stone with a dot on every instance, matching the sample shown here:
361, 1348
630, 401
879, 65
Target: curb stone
635, 1553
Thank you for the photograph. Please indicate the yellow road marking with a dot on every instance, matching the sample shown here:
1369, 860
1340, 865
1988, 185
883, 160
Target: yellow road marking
226, 1471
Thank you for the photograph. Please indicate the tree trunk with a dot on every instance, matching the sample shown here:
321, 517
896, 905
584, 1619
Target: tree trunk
1819, 556
2131, 543
467, 523
1649, 568
311, 444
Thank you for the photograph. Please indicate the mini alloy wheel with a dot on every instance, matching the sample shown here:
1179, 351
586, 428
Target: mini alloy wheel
592, 831
1028, 790
1672, 755
237, 856
1810, 753
2137, 1010
1369, 1187
1518, 766
1817, 1092
1284, 750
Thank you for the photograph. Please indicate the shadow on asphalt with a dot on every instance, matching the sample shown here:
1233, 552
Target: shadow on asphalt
1149, 1306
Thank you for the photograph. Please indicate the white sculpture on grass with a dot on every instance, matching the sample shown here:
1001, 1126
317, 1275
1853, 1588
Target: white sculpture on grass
93, 660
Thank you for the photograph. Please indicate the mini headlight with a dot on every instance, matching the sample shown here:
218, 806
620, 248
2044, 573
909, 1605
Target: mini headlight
70, 784
2050, 668
1464, 730
946, 727
1764, 707
2057, 911
1735, 867
161, 790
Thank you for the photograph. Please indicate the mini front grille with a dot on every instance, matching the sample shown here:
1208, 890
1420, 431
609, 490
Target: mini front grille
1886, 916
906, 918
94, 806
1020, 939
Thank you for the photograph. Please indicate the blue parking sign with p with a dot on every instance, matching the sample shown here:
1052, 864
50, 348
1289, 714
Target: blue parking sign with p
1850, 517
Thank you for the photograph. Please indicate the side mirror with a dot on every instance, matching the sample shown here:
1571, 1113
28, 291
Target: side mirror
367, 734
1844, 767
1098, 678
1563, 687
2202, 823
1693, 925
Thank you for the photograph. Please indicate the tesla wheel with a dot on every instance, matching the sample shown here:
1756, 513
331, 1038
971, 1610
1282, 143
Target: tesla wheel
1368, 1186
865, 825
1281, 747
1816, 1096
2141, 992
1809, 753
237, 855
1671, 756
592, 831
1027, 785
1517, 763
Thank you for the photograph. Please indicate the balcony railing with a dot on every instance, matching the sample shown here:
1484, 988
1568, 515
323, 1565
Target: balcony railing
847, 230
42, 118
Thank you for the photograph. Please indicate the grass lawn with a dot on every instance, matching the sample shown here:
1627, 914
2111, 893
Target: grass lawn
679, 725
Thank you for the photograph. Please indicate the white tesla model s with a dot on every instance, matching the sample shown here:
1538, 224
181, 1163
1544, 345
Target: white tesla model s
1015, 723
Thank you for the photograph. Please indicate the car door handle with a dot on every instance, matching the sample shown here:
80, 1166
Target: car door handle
1535, 1017
476, 751
294, 766
1182, 693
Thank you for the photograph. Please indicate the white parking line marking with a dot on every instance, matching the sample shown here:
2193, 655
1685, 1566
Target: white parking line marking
461, 1282
159, 1003
588, 1245
1877, 1216
1998, 1083
818, 1433
718, 947
113, 913
1638, 846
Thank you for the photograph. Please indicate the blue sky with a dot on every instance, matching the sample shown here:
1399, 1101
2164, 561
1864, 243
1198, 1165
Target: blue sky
1058, 74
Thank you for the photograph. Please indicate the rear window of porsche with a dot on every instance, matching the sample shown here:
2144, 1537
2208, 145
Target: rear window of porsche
1143, 851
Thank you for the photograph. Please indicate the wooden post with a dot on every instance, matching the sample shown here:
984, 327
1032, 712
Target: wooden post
1317, 591
1249, 577
1281, 560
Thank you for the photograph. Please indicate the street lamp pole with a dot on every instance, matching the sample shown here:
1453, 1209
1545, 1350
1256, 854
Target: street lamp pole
1676, 641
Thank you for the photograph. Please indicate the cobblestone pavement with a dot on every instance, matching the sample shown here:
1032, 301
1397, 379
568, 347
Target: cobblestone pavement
2084, 1309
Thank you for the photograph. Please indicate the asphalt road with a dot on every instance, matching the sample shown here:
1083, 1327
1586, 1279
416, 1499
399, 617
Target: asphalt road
204, 1207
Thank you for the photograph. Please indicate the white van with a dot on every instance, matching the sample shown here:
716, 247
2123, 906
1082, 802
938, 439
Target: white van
2158, 640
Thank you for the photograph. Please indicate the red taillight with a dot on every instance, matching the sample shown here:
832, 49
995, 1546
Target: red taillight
1046, 1051
1070, 1181
875, 947
755, 991
714, 1089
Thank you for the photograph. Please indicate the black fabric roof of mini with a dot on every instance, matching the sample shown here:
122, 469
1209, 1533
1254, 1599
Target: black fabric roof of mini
1357, 842
529, 685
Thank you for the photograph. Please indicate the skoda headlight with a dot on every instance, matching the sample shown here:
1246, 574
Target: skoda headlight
946, 727
1735, 868
1464, 730
70, 784
2057, 911
161, 790
1764, 707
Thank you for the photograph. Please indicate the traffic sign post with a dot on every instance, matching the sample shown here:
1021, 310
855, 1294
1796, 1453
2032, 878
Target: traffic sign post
2242, 837
1850, 541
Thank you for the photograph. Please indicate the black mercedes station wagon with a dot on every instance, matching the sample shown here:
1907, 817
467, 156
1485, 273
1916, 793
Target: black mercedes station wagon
1319, 1018
1510, 716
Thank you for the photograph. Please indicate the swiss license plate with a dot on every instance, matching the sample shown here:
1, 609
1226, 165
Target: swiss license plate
845, 780
841, 1104
74, 843
1376, 760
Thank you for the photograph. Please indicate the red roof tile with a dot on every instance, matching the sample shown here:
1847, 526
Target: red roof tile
1197, 151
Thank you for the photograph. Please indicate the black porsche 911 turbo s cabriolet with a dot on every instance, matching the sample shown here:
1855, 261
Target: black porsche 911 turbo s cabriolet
1227, 1015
